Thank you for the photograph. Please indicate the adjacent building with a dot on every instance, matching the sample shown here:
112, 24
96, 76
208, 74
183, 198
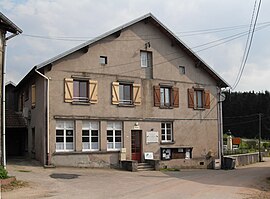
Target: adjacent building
134, 93
7, 30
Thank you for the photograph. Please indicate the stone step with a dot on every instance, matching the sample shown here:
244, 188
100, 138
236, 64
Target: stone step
145, 167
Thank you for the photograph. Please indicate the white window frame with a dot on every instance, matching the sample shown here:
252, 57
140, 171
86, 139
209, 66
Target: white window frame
165, 96
145, 57
65, 129
166, 131
90, 126
112, 126
198, 102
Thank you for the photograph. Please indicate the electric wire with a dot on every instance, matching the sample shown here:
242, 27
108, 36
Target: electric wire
248, 48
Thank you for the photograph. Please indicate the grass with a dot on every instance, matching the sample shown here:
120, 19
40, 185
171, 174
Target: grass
14, 185
23, 171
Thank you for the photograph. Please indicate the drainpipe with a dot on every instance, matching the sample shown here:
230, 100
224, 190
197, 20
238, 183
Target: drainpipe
220, 123
4, 96
48, 161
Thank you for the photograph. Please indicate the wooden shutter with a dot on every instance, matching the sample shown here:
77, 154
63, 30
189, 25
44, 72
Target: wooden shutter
207, 99
93, 91
115, 93
175, 97
33, 95
137, 94
190, 98
157, 96
68, 90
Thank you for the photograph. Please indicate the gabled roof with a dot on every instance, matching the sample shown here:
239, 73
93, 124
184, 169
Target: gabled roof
150, 18
8, 25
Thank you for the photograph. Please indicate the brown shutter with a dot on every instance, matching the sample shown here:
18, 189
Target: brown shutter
207, 99
93, 91
115, 93
157, 96
137, 94
68, 90
190, 98
33, 95
175, 97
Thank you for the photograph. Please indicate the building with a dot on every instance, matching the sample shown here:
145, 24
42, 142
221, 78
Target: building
7, 31
134, 93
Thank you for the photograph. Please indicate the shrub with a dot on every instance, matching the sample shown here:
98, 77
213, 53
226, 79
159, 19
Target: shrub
3, 173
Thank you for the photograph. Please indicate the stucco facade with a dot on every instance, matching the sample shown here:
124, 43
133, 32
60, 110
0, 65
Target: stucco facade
189, 134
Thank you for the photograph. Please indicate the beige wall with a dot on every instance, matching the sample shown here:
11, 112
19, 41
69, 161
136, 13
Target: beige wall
194, 128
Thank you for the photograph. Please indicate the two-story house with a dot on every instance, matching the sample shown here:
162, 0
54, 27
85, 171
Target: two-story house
137, 90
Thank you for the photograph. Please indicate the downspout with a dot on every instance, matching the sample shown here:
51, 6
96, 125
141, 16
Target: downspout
220, 125
4, 96
48, 161
4, 104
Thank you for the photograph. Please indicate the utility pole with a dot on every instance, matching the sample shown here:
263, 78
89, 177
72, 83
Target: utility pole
260, 133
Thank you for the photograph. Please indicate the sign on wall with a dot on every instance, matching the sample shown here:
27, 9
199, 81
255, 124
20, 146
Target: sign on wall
151, 137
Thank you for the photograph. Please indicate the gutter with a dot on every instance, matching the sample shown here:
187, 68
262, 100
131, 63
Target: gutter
48, 161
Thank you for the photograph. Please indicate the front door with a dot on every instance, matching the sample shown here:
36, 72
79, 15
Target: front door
136, 145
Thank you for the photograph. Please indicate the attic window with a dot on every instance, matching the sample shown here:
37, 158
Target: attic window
182, 70
103, 60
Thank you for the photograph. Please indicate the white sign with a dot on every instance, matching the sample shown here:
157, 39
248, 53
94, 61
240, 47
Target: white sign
149, 155
151, 137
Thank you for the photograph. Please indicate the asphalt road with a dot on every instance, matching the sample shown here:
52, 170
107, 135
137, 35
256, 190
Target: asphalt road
244, 182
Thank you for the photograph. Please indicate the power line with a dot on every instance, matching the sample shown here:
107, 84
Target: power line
247, 48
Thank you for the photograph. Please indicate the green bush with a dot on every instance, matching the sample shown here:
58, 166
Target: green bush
3, 173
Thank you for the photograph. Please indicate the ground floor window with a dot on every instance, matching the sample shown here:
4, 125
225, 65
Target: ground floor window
64, 136
90, 136
176, 153
114, 135
166, 132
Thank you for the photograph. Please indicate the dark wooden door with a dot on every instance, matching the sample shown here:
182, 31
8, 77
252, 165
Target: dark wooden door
136, 145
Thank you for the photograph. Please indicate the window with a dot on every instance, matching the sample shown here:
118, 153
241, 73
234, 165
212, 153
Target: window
114, 135
126, 93
182, 70
90, 136
33, 95
146, 59
103, 60
198, 98
166, 132
176, 153
165, 97
64, 136
80, 90
84, 91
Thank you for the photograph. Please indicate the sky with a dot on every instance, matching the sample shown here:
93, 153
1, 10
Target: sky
51, 27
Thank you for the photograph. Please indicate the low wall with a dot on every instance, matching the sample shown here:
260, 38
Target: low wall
245, 159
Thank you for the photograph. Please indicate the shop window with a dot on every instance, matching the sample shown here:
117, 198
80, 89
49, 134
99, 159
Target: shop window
64, 136
176, 153
90, 136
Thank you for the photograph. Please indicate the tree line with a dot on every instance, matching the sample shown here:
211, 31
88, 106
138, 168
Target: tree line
241, 114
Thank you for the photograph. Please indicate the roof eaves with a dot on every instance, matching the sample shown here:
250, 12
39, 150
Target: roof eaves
15, 28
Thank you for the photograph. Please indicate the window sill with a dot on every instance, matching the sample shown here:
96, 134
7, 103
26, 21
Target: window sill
199, 109
126, 105
167, 143
166, 107
80, 103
